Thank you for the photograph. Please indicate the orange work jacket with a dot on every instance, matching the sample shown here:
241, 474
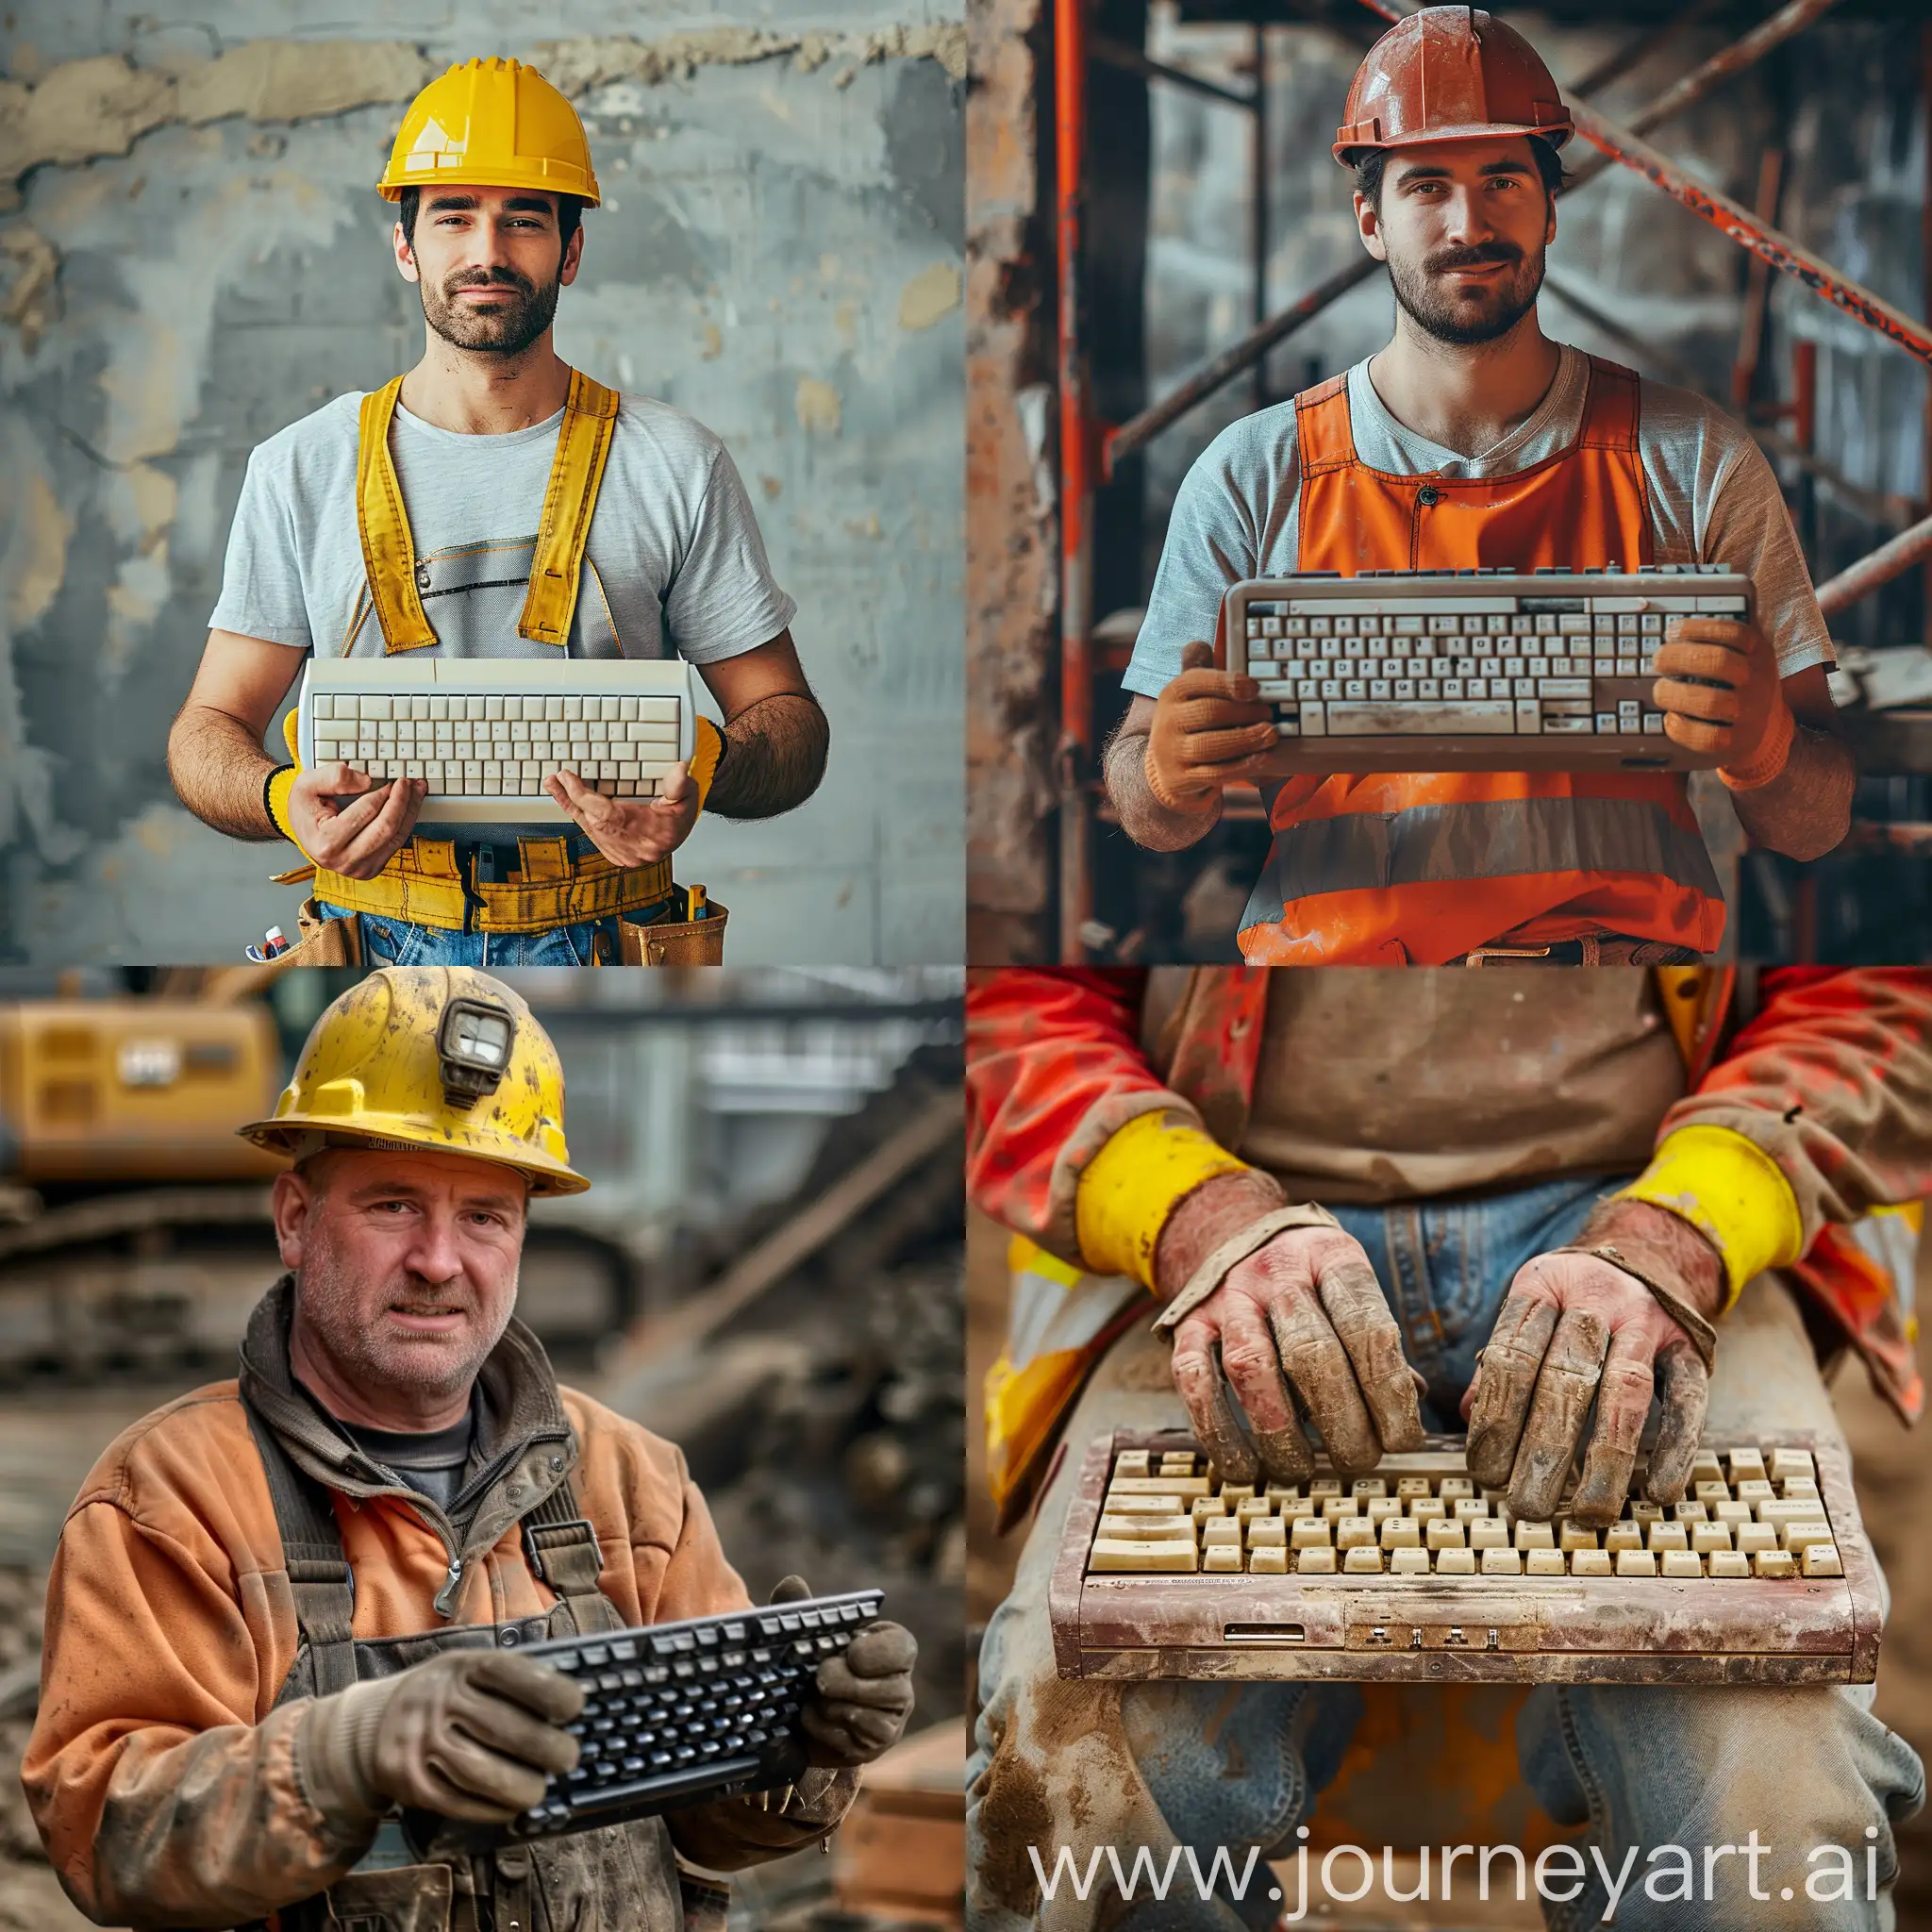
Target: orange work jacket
1395, 868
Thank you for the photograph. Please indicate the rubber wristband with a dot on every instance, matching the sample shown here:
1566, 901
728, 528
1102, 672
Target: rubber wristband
1732, 1192
1128, 1190
1232, 1253
1775, 756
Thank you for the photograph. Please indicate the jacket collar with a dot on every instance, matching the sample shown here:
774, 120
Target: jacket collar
522, 1428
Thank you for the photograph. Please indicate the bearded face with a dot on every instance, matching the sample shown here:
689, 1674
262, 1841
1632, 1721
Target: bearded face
1468, 294
496, 311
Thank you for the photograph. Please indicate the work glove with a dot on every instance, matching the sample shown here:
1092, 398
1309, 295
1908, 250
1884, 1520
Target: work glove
471, 1734
857, 1706
1210, 730
1720, 691
1575, 1327
1301, 1320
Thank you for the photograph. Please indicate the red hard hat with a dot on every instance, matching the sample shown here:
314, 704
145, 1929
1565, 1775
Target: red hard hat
1450, 73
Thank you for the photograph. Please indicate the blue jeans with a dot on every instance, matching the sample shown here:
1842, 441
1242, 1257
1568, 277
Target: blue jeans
395, 942
1175, 1763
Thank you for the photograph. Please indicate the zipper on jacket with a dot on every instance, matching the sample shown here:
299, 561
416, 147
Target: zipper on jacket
445, 1602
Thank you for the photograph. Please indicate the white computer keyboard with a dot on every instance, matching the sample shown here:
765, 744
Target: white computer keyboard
1488, 670
485, 734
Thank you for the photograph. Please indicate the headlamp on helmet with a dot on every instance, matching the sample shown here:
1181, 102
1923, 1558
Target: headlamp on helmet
472, 1045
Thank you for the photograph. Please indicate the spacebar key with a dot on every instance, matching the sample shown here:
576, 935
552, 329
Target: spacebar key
1472, 717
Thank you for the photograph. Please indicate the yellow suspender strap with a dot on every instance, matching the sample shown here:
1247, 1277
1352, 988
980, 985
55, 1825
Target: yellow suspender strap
389, 556
583, 447
570, 499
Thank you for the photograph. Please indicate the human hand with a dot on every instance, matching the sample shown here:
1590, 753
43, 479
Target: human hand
470, 1734
1210, 732
630, 831
1574, 1326
1302, 1313
349, 823
859, 1702
1740, 713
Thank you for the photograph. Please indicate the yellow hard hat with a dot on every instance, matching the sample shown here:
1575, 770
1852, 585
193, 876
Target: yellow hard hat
491, 123
438, 1057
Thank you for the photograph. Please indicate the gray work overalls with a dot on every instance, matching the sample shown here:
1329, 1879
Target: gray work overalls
453, 1877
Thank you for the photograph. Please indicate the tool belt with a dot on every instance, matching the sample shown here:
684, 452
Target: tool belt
527, 885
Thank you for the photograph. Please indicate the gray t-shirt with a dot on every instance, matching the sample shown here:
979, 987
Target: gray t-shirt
675, 563
1713, 499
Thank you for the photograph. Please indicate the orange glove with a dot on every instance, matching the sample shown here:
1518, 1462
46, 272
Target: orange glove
1210, 730
1740, 714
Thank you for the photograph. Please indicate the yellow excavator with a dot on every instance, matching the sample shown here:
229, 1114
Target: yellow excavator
134, 1223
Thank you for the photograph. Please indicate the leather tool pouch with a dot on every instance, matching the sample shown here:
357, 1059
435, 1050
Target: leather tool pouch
674, 941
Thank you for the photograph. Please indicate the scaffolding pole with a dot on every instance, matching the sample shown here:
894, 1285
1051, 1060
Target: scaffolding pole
1723, 65
1075, 751
1888, 560
1733, 219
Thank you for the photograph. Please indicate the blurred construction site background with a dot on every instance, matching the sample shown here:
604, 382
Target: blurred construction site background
768, 1269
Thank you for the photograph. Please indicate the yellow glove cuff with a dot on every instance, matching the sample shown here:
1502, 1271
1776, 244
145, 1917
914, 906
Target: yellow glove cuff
1133, 1184
707, 754
1732, 1192
274, 798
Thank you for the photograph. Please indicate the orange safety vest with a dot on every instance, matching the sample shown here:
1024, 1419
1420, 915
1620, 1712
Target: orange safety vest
1418, 867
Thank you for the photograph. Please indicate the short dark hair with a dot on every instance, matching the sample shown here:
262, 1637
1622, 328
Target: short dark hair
569, 209
1372, 163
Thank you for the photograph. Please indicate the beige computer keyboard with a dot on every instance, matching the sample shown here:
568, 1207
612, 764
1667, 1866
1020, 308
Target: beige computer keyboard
485, 734
1762, 1573
1485, 671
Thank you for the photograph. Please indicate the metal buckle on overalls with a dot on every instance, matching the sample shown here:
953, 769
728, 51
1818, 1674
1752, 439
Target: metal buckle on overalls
557, 1535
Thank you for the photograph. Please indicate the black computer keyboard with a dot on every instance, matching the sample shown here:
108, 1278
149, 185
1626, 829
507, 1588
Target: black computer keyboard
676, 1713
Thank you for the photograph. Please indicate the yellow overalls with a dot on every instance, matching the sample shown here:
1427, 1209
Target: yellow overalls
557, 880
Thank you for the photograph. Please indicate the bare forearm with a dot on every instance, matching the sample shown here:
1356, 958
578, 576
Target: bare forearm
774, 755
1806, 809
1142, 817
219, 769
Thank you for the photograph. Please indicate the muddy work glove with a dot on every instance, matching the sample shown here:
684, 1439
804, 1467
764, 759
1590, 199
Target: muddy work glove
473, 1734
1300, 1323
1210, 730
858, 1705
1576, 1329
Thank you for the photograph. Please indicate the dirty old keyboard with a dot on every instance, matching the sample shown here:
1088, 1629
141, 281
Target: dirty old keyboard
1472, 670
1762, 1574
486, 733
676, 1713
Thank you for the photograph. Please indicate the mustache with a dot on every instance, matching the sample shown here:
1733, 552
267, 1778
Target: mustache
414, 1292
491, 278
1446, 261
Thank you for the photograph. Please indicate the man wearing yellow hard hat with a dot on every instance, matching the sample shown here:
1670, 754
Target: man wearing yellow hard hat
493, 502
282, 1675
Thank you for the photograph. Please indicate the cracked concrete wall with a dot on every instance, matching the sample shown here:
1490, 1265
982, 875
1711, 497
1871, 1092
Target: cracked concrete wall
192, 255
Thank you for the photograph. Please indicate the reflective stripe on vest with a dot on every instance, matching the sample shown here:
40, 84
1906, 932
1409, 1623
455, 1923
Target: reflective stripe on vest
1481, 838
1423, 866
